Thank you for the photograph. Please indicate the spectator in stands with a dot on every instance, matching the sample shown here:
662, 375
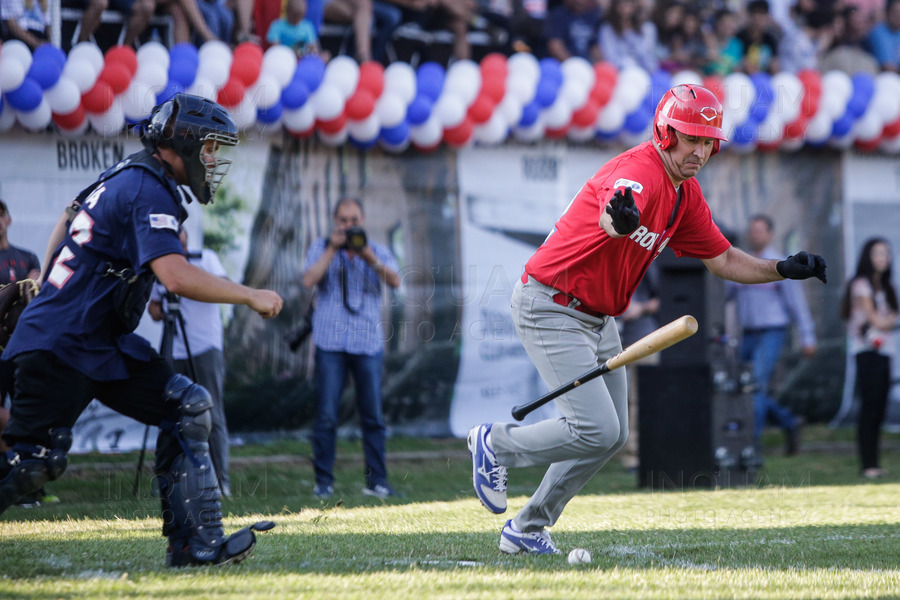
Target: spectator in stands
884, 39
453, 15
265, 12
723, 48
187, 21
628, 38
295, 30
572, 29
807, 37
494, 18
26, 20
243, 20
681, 41
219, 17
137, 13
90, 17
849, 53
527, 27
759, 37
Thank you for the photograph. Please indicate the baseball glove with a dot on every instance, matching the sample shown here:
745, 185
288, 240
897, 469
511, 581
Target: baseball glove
14, 297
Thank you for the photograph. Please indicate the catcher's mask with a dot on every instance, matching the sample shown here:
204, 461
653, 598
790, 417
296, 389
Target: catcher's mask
195, 128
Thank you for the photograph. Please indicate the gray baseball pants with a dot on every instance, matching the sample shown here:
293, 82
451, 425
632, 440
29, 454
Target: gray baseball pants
564, 344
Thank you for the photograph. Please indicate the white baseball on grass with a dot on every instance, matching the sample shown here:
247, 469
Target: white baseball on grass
579, 556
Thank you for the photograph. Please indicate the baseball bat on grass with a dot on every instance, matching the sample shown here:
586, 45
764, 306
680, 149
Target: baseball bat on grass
667, 335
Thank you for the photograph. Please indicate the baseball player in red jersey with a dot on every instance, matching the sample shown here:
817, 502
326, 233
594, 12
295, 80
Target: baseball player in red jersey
584, 275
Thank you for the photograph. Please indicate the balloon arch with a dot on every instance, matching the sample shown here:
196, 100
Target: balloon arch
365, 105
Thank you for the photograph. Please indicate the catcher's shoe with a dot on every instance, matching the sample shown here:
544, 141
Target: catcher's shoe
513, 541
236, 548
488, 476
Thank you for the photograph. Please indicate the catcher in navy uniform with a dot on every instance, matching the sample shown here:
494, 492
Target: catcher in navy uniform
74, 342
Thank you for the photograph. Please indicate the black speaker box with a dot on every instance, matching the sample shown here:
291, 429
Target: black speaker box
689, 436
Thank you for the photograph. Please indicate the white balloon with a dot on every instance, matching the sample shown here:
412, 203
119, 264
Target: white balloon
868, 127
37, 119
574, 93
464, 79
395, 148
739, 95
154, 75
137, 101
299, 119
82, 72
109, 123
91, 53
450, 110
214, 71
686, 77
524, 64
493, 132
204, 88
581, 134
153, 52
428, 133
280, 62
7, 117
632, 86
521, 88
215, 51
12, 72
558, 114
532, 133
327, 101
819, 128
788, 98
266, 92
771, 130
510, 108
366, 130
400, 78
20, 52
889, 145
244, 114
610, 118
885, 101
390, 109
63, 97
832, 105
343, 73
333, 139
841, 143
578, 70
791, 144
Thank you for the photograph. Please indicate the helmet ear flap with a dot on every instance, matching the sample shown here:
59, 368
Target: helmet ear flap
666, 138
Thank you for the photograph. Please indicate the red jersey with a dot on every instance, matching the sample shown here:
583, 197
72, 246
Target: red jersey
580, 259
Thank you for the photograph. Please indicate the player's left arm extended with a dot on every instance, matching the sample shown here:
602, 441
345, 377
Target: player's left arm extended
736, 265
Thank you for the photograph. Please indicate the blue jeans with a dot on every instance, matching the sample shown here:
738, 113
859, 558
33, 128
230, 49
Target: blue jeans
763, 347
331, 372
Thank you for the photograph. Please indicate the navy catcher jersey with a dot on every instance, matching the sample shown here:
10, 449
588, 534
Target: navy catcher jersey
131, 218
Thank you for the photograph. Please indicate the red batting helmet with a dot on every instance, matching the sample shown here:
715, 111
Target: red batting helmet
690, 109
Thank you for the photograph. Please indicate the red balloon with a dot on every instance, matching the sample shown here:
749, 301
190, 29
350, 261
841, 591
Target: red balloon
891, 129
360, 105
556, 134
481, 110
868, 146
426, 149
99, 98
602, 91
333, 126
494, 87
797, 129
246, 69
810, 78
459, 135
73, 120
117, 76
714, 84
770, 147
587, 114
249, 50
124, 55
302, 135
232, 93
371, 77
494, 64
606, 71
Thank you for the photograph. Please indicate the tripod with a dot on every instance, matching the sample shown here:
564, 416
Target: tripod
172, 321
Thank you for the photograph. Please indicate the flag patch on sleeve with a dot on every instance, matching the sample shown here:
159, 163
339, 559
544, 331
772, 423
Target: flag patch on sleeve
163, 221
634, 185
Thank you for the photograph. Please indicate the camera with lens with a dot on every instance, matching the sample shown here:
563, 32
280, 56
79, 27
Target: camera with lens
356, 238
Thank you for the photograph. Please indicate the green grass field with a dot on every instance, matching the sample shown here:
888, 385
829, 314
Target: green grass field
809, 528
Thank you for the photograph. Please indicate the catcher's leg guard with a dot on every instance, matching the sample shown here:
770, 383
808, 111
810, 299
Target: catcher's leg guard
192, 512
27, 467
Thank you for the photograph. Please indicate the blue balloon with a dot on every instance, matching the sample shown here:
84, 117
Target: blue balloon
604, 136
863, 90
311, 71
363, 145
419, 109
185, 51
762, 100
395, 135
183, 72
51, 53
430, 80
546, 92
637, 121
167, 92
551, 70
27, 96
269, 115
295, 94
744, 134
842, 126
530, 114
660, 82
45, 71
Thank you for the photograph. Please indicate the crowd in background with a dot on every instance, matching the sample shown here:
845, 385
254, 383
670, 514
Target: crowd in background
707, 36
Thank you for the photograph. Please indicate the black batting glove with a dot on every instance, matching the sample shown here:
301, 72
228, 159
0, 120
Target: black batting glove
802, 265
625, 215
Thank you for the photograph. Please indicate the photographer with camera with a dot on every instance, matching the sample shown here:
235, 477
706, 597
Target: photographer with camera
347, 271
196, 349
